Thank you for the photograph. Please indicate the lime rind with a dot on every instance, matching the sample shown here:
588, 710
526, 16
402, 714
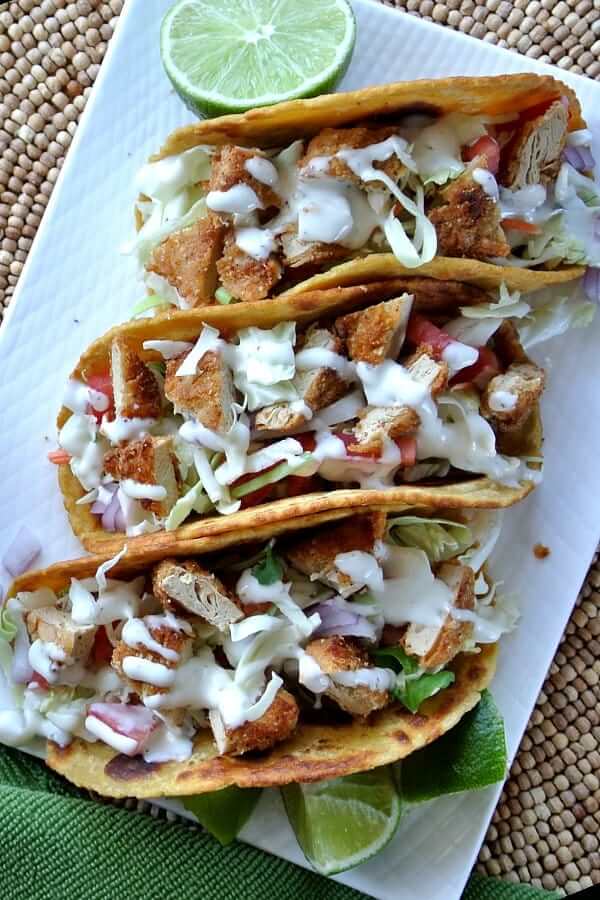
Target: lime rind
342, 823
258, 53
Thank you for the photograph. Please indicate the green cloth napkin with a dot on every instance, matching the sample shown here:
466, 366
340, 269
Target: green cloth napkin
56, 842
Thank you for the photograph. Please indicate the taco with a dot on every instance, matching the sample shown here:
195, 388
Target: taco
244, 207
221, 418
331, 651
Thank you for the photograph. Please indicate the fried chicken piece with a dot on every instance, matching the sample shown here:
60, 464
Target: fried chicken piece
376, 333
136, 390
208, 395
376, 423
339, 654
533, 155
184, 585
148, 461
317, 388
320, 157
229, 168
187, 259
55, 626
274, 726
298, 253
314, 553
509, 398
437, 646
425, 369
467, 220
178, 642
243, 276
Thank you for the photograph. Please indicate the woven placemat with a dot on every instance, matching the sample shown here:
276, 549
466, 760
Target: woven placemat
545, 829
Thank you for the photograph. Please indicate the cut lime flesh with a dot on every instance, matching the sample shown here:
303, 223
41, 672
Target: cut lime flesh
224, 58
342, 823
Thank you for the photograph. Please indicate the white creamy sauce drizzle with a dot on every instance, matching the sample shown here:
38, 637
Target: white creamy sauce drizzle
167, 744
374, 679
78, 396
411, 592
124, 429
487, 181
239, 200
46, 658
140, 491
502, 401
390, 384
311, 675
168, 349
322, 358
208, 341
140, 669
258, 243
362, 568
78, 437
262, 169
136, 634
459, 356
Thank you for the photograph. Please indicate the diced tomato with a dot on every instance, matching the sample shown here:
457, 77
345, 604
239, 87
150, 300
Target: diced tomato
39, 681
103, 384
260, 495
521, 225
421, 331
296, 485
307, 439
487, 147
481, 372
348, 439
59, 457
102, 648
407, 446
134, 722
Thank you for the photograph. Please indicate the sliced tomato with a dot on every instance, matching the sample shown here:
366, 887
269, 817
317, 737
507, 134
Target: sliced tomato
407, 445
348, 439
307, 439
39, 681
521, 225
59, 457
481, 372
296, 485
102, 649
260, 495
421, 331
103, 384
485, 146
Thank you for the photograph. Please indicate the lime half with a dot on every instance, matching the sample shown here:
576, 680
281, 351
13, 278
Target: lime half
341, 823
229, 57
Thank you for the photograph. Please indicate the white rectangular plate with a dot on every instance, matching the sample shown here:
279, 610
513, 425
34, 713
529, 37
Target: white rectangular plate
76, 284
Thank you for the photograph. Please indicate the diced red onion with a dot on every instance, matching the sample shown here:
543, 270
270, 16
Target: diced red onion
335, 620
134, 722
22, 552
109, 516
580, 158
596, 229
21, 671
591, 283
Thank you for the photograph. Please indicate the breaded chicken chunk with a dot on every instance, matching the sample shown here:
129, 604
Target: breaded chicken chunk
243, 276
467, 219
208, 395
55, 626
321, 159
376, 423
340, 654
187, 259
533, 155
229, 167
136, 390
183, 585
298, 253
178, 645
425, 369
509, 398
314, 553
274, 726
317, 388
437, 646
376, 333
148, 461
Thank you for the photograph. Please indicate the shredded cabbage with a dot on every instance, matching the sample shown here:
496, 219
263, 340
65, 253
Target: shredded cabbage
195, 500
507, 306
552, 315
164, 179
264, 364
440, 539
437, 149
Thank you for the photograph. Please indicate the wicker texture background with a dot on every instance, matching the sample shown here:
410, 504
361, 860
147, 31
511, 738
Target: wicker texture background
545, 830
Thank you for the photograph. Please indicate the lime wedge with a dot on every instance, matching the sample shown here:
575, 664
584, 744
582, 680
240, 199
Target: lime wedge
341, 823
229, 57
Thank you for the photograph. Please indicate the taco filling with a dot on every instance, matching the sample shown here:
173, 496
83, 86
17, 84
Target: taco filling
238, 223
375, 398
335, 623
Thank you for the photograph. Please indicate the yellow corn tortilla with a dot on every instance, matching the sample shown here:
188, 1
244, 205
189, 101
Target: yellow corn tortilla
314, 752
472, 492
